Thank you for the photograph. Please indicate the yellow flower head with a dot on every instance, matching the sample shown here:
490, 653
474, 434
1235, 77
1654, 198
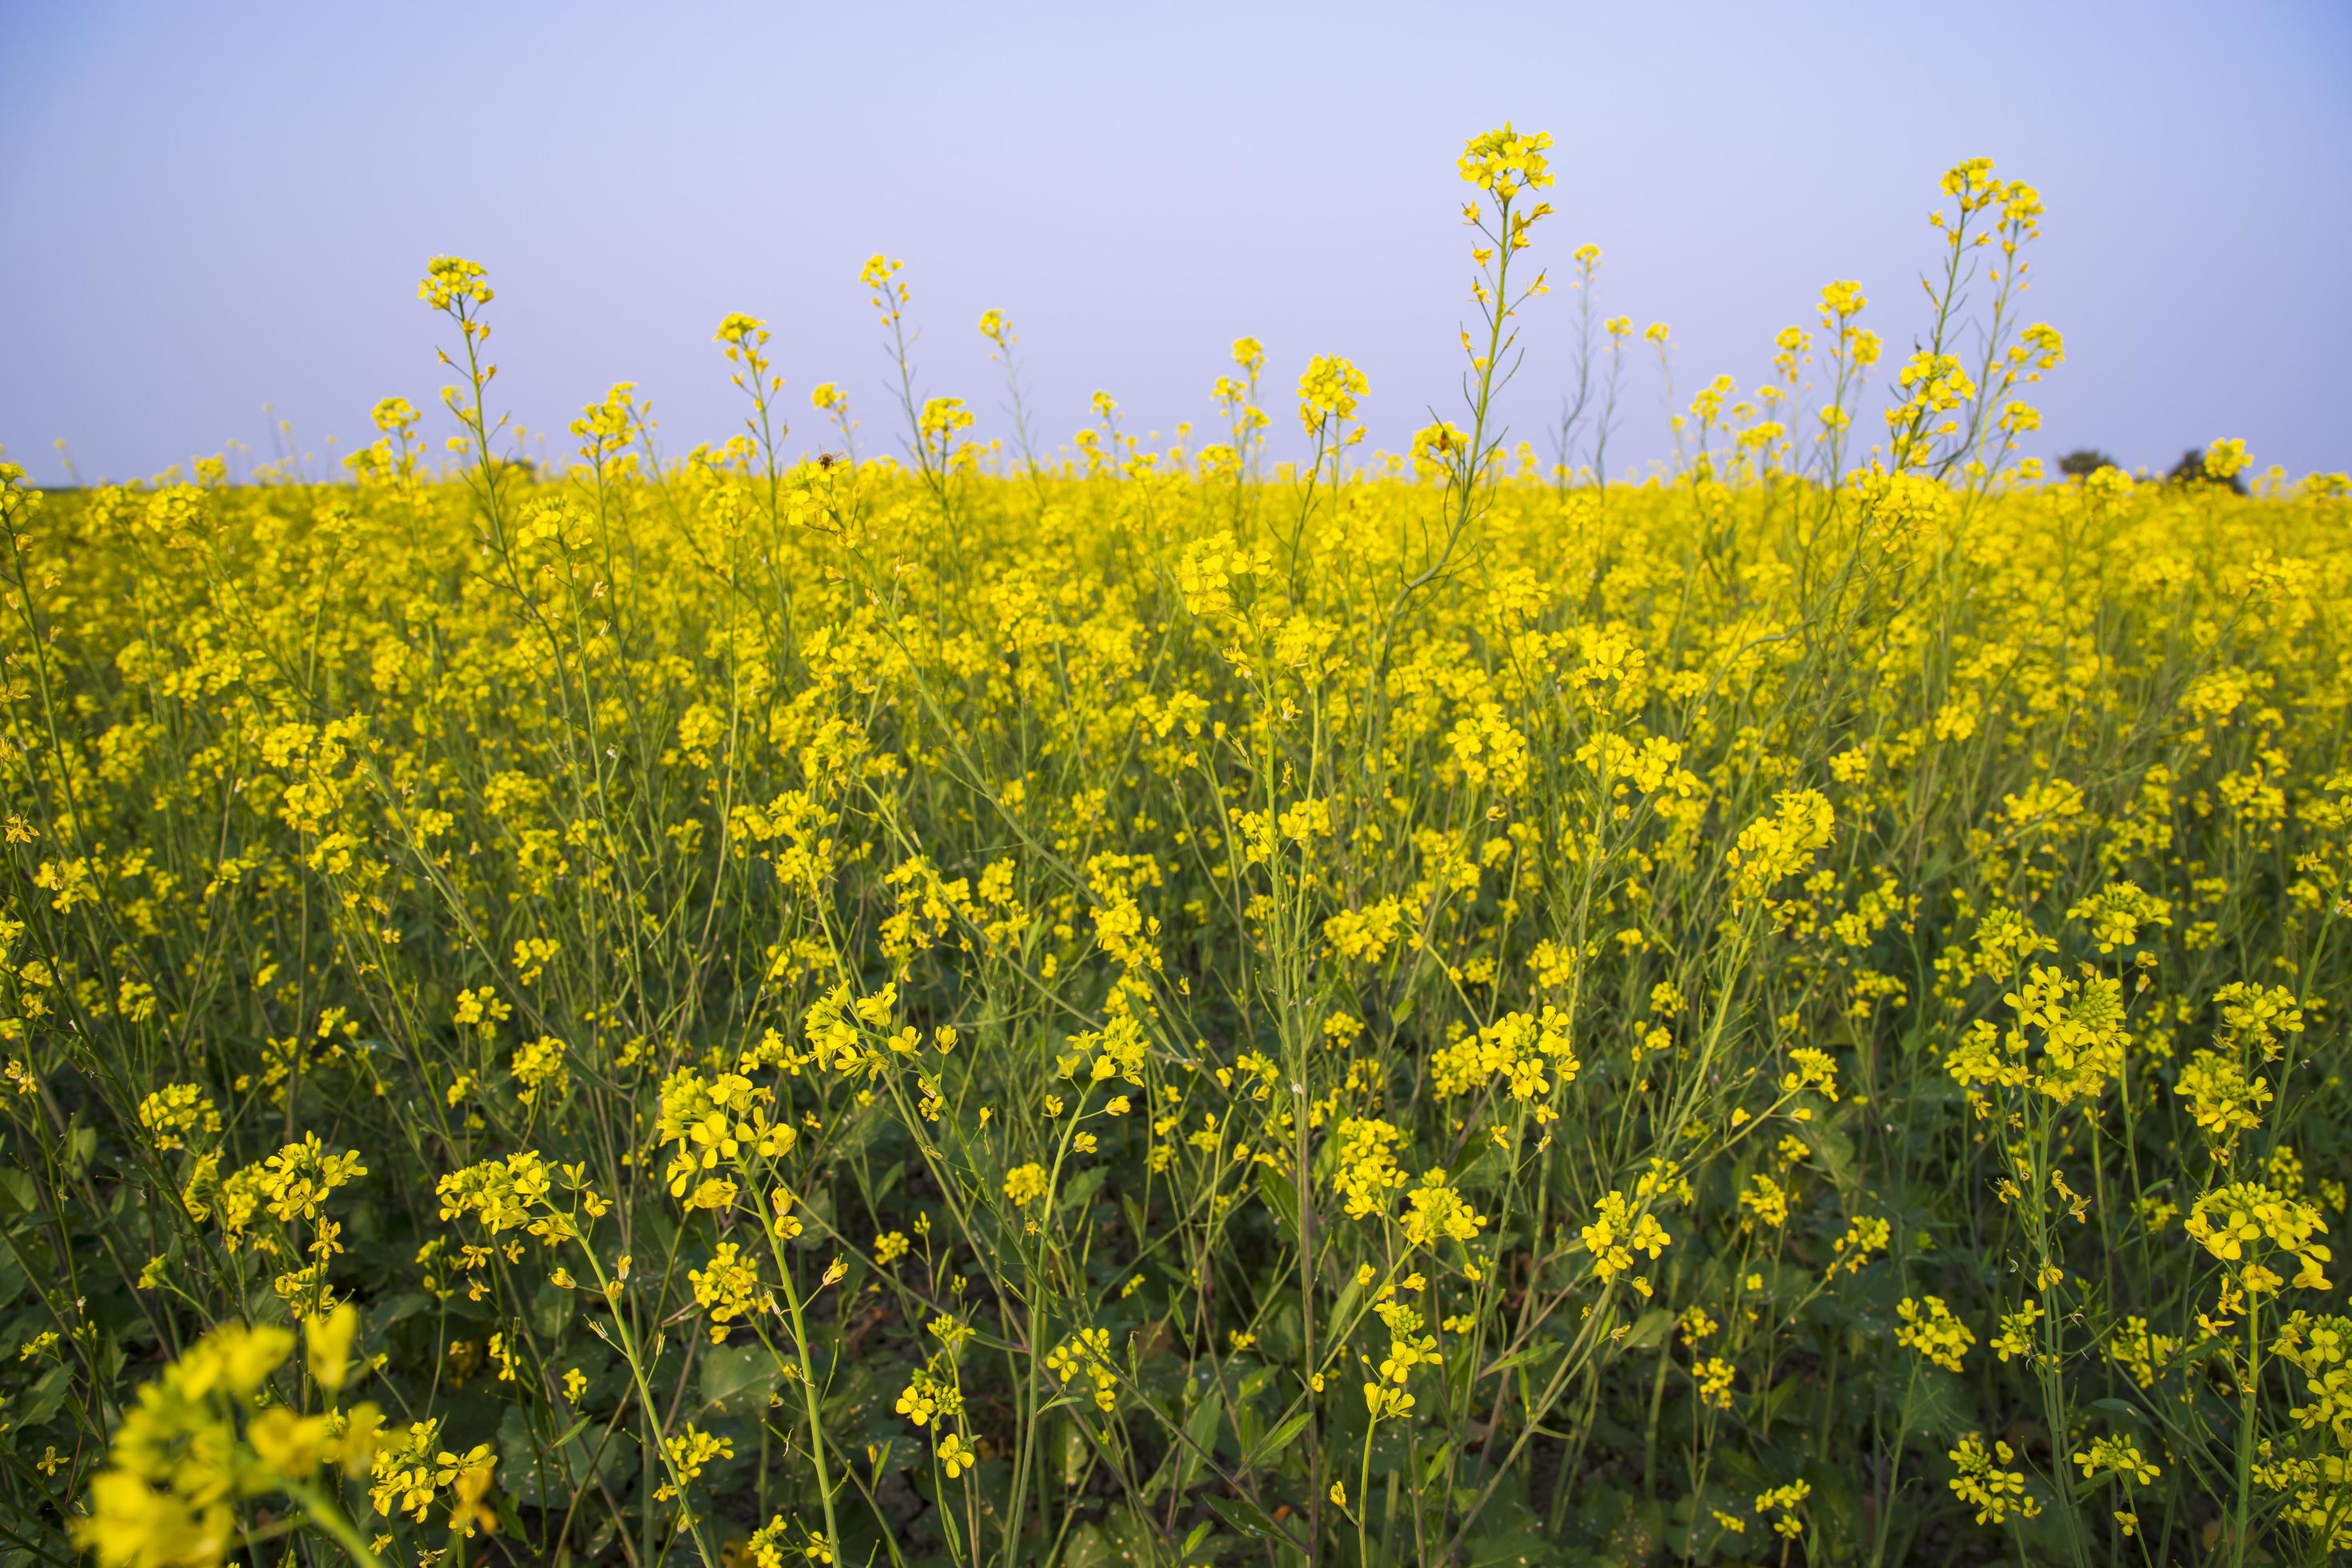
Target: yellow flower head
1504, 161
1328, 392
452, 283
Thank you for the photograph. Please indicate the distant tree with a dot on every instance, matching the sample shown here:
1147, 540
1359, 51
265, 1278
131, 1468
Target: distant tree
2191, 470
2084, 462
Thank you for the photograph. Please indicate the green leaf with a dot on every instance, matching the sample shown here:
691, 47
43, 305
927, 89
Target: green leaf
550, 1474
1527, 1357
46, 1397
1437, 1462
1248, 1427
1649, 1329
406, 1304
738, 1380
1088, 1546
16, 1189
1080, 1190
1343, 1311
1280, 1193
1481, 1168
1938, 1404
551, 1309
1281, 1437
1521, 1546
1200, 1427
82, 1142
1242, 1516
1835, 1151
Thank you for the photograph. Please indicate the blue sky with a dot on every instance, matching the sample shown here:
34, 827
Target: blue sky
211, 208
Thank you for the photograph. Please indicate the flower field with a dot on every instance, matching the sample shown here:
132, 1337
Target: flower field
950, 1001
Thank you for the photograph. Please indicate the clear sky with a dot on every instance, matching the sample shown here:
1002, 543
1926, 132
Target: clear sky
209, 208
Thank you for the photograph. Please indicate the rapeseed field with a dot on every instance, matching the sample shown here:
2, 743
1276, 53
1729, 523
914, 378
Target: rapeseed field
853, 998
